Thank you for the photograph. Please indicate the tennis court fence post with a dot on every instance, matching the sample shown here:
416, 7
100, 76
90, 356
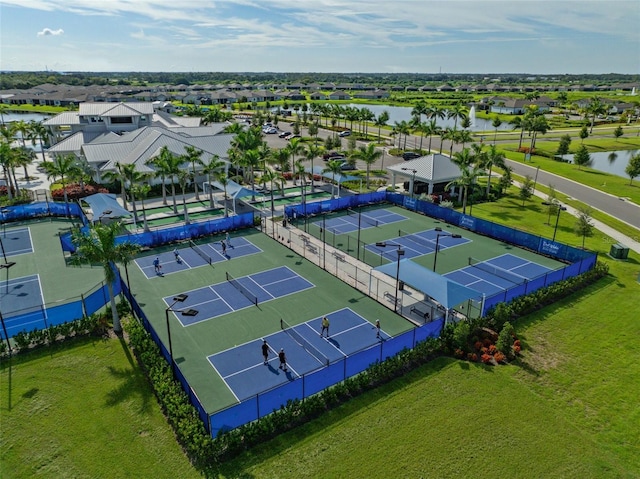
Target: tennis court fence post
84, 306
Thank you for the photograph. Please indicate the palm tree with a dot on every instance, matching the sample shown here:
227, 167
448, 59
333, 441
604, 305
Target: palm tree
234, 128
333, 167
457, 111
272, 177
312, 153
214, 166
120, 174
193, 156
142, 191
463, 158
183, 178
294, 148
492, 158
381, 121
519, 123
464, 136
24, 156
431, 129
402, 128
252, 160
167, 165
99, 245
368, 154
62, 167
37, 131
596, 107
468, 177
6, 158
222, 178
496, 124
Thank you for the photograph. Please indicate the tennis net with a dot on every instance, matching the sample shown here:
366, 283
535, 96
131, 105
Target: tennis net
201, 253
417, 239
497, 271
248, 294
365, 218
297, 337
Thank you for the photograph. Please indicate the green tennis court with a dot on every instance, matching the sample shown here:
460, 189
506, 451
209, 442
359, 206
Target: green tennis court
194, 342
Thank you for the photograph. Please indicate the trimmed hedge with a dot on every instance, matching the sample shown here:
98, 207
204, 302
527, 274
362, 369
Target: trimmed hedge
206, 453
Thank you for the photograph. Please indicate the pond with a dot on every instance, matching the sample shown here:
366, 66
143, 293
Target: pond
613, 162
403, 113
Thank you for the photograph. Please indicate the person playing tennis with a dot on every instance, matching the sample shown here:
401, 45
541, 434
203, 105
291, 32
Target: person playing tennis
265, 351
325, 326
283, 360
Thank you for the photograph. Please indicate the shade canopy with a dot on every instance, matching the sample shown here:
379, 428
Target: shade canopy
445, 291
105, 205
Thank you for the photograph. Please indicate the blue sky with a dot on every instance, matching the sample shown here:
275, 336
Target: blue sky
422, 36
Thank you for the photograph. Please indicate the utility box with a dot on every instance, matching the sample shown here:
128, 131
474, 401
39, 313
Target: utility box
619, 251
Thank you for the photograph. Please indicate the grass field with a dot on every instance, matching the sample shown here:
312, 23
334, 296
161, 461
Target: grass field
568, 409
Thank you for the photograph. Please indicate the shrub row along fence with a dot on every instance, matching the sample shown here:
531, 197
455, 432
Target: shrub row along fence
579, 260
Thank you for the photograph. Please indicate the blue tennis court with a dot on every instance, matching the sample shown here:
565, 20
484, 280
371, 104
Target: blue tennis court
21, 298
245, 373
370, 219
416, 244
223, 298
497, 274
16, 241
190, 258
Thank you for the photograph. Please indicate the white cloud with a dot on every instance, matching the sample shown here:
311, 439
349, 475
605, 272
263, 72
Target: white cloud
48, 32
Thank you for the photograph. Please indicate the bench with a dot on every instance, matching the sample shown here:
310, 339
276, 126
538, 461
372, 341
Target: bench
415, 310
390, 297
339, 257
312, 248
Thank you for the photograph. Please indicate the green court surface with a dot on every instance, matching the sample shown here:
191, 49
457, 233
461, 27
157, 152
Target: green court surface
58, 280
290, 200
194, 343
448, 259
174, 219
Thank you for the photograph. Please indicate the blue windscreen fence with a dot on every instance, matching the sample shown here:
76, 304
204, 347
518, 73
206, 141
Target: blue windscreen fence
307, 385
52, 314
579, 260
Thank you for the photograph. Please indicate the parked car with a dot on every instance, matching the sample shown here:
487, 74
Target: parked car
410, 155
344, 133
284, 134
292, 136
331, 154
270, 131
336, 157
346, 166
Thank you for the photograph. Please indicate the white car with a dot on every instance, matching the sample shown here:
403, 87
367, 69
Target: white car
270, 131
344, 133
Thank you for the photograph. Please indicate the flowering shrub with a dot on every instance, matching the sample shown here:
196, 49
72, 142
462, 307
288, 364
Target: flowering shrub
516, 343
477, 345
472, 357
516, 350
74, 191
499, 357
493, 349
486, 358
458, 353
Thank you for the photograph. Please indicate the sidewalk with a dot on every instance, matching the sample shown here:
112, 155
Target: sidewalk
631, 243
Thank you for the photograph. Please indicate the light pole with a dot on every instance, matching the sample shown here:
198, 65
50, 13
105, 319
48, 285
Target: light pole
440, 233
400, 252
560, 208
5, 212
180, 298
413, 180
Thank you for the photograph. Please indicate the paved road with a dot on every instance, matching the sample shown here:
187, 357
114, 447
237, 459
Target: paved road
612, 205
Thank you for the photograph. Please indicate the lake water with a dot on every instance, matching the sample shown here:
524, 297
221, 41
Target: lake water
403, 113
27, 116
606, 162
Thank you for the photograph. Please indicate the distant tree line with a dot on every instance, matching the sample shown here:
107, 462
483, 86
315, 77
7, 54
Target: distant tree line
25, 80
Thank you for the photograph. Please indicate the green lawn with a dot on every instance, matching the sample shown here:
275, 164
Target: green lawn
84, 410
568, 409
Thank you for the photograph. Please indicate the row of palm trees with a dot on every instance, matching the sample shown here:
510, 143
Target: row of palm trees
474, 162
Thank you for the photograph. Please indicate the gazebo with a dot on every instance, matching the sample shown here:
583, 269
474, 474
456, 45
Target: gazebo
435, 170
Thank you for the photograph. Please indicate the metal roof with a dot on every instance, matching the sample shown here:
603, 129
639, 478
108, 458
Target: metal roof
431, 168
